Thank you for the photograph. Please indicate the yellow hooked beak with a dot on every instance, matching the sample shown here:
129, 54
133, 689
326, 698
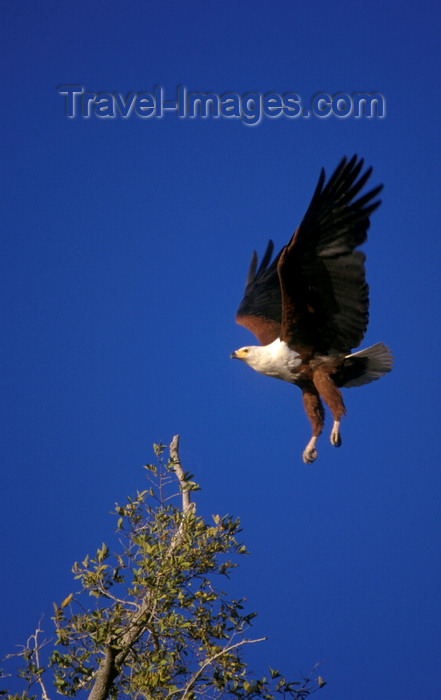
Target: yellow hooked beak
239, 354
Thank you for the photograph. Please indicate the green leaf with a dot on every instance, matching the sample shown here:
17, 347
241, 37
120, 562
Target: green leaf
66, 601
102, 553
274, 673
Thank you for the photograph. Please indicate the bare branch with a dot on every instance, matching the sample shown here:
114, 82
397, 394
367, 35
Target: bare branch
33, 648
210, 661
37, 648
183, 483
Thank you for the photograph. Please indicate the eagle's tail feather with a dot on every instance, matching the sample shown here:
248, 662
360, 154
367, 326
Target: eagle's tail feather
366, 365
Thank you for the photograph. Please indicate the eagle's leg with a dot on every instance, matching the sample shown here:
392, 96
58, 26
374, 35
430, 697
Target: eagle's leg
333, 398
316, 414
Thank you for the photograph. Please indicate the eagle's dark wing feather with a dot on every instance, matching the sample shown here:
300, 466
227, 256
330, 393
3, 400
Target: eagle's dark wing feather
324, 292
261, 307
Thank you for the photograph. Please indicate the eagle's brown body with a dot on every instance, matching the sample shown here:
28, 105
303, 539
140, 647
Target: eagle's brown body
309, 306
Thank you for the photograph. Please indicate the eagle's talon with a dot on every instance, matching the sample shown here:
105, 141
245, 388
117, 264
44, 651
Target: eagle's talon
309, 455
335, 435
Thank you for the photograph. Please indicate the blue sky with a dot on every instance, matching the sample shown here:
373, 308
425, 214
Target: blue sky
126, 244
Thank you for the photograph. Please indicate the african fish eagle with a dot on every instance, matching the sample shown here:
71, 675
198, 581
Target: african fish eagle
309, 306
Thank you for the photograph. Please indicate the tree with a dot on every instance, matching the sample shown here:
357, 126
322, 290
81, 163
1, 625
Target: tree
160, 627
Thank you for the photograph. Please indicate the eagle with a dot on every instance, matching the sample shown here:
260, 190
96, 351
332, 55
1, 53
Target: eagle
308, 308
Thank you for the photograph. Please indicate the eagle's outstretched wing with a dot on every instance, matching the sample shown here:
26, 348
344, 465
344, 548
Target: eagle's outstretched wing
261, 307
322, 276
314, 293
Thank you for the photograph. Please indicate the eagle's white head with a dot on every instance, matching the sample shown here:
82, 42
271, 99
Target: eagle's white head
274, 360
250, 354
